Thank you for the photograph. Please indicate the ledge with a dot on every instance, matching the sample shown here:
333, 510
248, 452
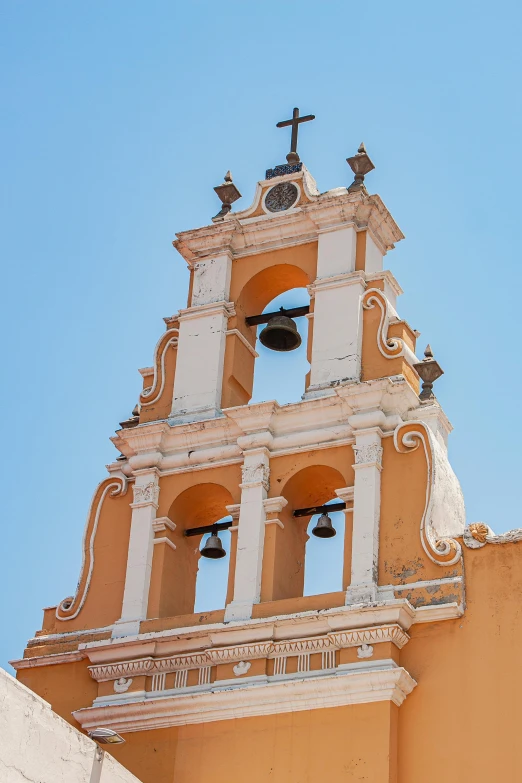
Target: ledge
271, 698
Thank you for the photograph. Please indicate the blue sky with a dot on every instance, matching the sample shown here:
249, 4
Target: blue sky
118, 120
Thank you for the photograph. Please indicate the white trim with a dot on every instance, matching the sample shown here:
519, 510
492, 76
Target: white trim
211, 308
359, 686
162, 523
146, 394
448, 580
164, 541
438, 612
118, 489
397, 610
244, 340
47, 660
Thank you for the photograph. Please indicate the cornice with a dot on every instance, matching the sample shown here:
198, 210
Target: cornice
234, 653
319, 422
299, 625
240, 235
47, 660
269, 697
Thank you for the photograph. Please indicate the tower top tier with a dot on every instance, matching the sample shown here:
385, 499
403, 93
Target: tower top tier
288, 209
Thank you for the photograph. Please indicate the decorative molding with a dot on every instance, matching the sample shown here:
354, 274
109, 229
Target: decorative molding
389, 347
243, 340
478, 534
244, 652
302, 692
164, 540
255, 475
365, 651
70, 607
160, 524
115, 671
369, 454
301, 646
241, 668
145, 494
154, 392
274, 505
361, 636
122, 685
48, 660
234, 510
211, 308
239, 652
444, 515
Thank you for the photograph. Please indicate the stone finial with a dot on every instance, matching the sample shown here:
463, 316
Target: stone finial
428, 370
228, 193
361, 165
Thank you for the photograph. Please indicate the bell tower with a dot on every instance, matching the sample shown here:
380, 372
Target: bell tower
198, 695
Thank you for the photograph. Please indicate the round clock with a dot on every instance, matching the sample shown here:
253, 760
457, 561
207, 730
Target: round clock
281, 197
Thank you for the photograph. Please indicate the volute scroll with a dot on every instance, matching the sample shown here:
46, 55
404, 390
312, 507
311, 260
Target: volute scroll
444, 515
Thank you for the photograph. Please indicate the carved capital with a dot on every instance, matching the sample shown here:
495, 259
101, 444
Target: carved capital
255, 475
145, 494
369, 454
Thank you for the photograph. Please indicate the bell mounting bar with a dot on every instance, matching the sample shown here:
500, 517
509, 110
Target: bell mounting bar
292, 312
309, 512
199, 531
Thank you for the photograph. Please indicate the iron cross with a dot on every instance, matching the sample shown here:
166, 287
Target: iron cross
293, 157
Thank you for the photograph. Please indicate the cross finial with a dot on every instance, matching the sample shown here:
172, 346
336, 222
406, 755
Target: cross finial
292, 156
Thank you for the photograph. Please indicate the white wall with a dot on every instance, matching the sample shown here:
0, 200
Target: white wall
37, 746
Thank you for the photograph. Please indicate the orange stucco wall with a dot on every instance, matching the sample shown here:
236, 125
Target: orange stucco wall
461, 723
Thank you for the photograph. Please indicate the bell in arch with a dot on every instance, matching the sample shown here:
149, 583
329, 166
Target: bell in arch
324, 527
280, 334
213, 548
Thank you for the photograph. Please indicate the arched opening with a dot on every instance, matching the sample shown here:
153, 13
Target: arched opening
324, 557
275, 285
197, 506
294, 561
212, 575
281, 375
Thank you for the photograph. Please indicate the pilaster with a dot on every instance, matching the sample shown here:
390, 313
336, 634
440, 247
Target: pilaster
337, 331
366, 513
139, 558
200, 361
251, 534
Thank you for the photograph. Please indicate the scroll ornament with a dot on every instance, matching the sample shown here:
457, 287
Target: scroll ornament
444, 515
154, 392
70, 607
390, 347
478, 534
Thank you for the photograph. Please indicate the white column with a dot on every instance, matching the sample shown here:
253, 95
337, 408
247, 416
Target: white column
199, 365
139, 558
251, 535
366, 516
337, 332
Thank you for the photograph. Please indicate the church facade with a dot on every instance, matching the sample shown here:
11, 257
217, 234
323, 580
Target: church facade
410, 672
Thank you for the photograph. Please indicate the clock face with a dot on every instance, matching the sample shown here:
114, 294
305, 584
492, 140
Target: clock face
281, 197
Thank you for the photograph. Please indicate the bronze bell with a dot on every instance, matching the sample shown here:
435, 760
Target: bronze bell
213, 548
324, 527
280, 334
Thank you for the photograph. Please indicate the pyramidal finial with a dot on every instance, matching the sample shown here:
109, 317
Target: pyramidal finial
428, 353
362, 148
228, 176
